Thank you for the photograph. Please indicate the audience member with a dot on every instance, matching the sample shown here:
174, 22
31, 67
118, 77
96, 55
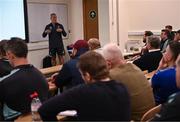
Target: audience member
132, 77
177, 36
5, 67
146, 34
69, 75
165, 39
99, 99
150, 61
164, 81
94, 43
16, 88
170, 110
170, 56
170, 29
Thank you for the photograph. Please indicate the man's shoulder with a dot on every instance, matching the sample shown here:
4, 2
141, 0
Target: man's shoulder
126, 68
49, 24
165, 72
12, 74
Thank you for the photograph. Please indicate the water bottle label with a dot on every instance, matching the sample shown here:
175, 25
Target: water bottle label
35, 107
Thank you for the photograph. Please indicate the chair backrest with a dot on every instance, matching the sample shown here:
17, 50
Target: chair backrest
151, 113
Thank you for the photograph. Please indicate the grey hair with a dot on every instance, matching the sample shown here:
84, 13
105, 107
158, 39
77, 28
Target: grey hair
112, 52
154, 41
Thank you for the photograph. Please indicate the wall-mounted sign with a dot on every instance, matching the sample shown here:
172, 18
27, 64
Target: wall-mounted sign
92, 14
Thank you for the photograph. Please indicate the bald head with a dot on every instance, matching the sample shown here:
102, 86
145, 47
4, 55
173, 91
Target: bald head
112, 53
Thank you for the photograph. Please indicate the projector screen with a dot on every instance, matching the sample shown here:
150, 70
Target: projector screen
13, 19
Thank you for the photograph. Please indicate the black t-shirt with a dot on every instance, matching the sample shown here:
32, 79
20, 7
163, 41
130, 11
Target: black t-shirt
16, 88
96, 101
5, 67
55, 38
170, 111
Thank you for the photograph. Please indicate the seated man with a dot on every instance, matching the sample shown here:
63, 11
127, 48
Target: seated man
177, 36
5, 67
144, 48
150, 61
165, 39
99, 99
94, 44
16, 88
170, 110
132, 77
69, 75
164, 81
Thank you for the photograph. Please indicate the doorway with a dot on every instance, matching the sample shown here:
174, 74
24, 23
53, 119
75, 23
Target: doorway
90, 19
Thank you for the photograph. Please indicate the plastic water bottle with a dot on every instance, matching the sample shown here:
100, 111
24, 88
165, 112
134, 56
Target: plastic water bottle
35, 104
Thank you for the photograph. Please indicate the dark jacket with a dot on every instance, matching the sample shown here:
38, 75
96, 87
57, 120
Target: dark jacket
100, 101
16, 88
149, 61
5, 67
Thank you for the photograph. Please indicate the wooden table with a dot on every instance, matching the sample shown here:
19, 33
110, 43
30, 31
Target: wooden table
28, 118
51, 70
131, 54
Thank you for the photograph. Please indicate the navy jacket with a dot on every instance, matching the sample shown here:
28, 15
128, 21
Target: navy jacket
69, 75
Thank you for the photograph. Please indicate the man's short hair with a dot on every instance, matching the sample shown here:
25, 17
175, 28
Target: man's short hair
2, 47
52, 14
148, 33
167, 33
18, 47
154, 41
94, 43
94, 64
169, 27
175, 49
178, 32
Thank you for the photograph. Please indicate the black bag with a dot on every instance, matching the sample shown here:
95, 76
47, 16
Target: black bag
47, 62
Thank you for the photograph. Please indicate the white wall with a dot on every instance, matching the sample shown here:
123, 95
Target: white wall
104, 28
75, 20
122, 10
153, 14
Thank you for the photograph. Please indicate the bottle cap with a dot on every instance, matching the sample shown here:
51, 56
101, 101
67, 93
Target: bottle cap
34, 95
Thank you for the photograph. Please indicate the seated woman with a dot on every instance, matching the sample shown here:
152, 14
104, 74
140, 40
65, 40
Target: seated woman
5, 67
164, 81
99, 99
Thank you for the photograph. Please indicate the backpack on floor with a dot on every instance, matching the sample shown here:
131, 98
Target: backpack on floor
47, 61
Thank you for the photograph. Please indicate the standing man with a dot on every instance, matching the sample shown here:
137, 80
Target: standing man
55, 32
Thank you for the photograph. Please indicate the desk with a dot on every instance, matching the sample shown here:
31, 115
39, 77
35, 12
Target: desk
51, 70
28, 118
129, 54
